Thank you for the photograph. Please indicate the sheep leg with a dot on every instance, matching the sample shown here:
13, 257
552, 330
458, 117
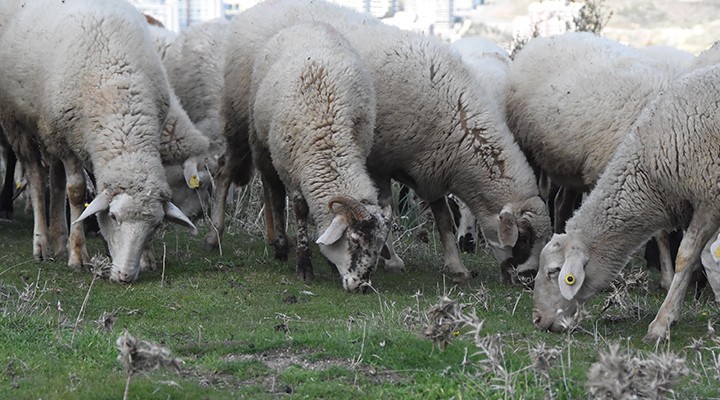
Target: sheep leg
217, 213
696, 237
58, 229
444, 223
36, 182
667, 270
75, 186
391, 261
565, 204
6, 197
274, 199
304, 268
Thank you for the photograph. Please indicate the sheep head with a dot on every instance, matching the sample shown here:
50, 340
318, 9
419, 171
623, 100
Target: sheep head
559, 279
127, 223
518, 233
354, 239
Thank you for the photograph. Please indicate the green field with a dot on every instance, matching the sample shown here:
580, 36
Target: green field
245, 327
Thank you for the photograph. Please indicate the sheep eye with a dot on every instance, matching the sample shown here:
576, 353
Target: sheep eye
553, 272
113, 217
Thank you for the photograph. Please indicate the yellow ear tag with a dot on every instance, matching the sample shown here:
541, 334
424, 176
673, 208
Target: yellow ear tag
570, 279
18, 186
194, 182
86, 205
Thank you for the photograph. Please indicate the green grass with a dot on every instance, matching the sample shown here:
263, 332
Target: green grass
245, 327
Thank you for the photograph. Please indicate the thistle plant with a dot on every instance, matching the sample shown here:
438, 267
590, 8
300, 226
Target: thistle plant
143, 356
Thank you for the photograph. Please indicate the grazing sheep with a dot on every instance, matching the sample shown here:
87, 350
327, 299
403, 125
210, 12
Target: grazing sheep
313, 106
649, 184
195, 71
436, 131
190, 182
89, 89
567, 123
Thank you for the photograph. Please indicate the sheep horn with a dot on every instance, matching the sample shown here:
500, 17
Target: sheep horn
353, 208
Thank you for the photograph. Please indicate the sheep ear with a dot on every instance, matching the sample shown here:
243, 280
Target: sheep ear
100, 203
572, 273
191, 174
334, 232
507, 229
173, 214
715, 249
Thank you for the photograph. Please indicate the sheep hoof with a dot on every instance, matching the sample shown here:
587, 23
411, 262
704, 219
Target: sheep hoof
657, 333
211, 243
461, 276
305, 274
281, 249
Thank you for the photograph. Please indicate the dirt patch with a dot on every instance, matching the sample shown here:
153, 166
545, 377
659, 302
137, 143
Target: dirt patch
277, 361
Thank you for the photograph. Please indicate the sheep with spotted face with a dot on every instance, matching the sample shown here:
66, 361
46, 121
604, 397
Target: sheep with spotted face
436, 131
663, 176
83, 83
313, 113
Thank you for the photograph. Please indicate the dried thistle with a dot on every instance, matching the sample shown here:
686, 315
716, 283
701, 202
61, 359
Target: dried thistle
143, 356
623, 376
443, 322
573, 323
106, 322
100, 266
543, 358
446, 319
621, 296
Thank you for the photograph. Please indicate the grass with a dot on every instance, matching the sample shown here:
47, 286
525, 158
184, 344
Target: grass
245, 327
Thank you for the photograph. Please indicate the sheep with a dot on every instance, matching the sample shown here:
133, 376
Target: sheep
649, 184
198, 48
436, 130
190, 182
88, 90
313, 113
567, 123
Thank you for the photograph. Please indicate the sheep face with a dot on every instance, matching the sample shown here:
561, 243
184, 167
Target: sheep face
353, 244
558, 281
127, 224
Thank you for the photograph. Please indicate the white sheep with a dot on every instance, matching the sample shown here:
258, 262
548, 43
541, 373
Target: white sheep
436, 130
195, 71
663, 176
190, 182
313, 105
571, 99
82, 82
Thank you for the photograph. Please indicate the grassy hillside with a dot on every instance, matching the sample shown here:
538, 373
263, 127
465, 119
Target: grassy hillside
245, 327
